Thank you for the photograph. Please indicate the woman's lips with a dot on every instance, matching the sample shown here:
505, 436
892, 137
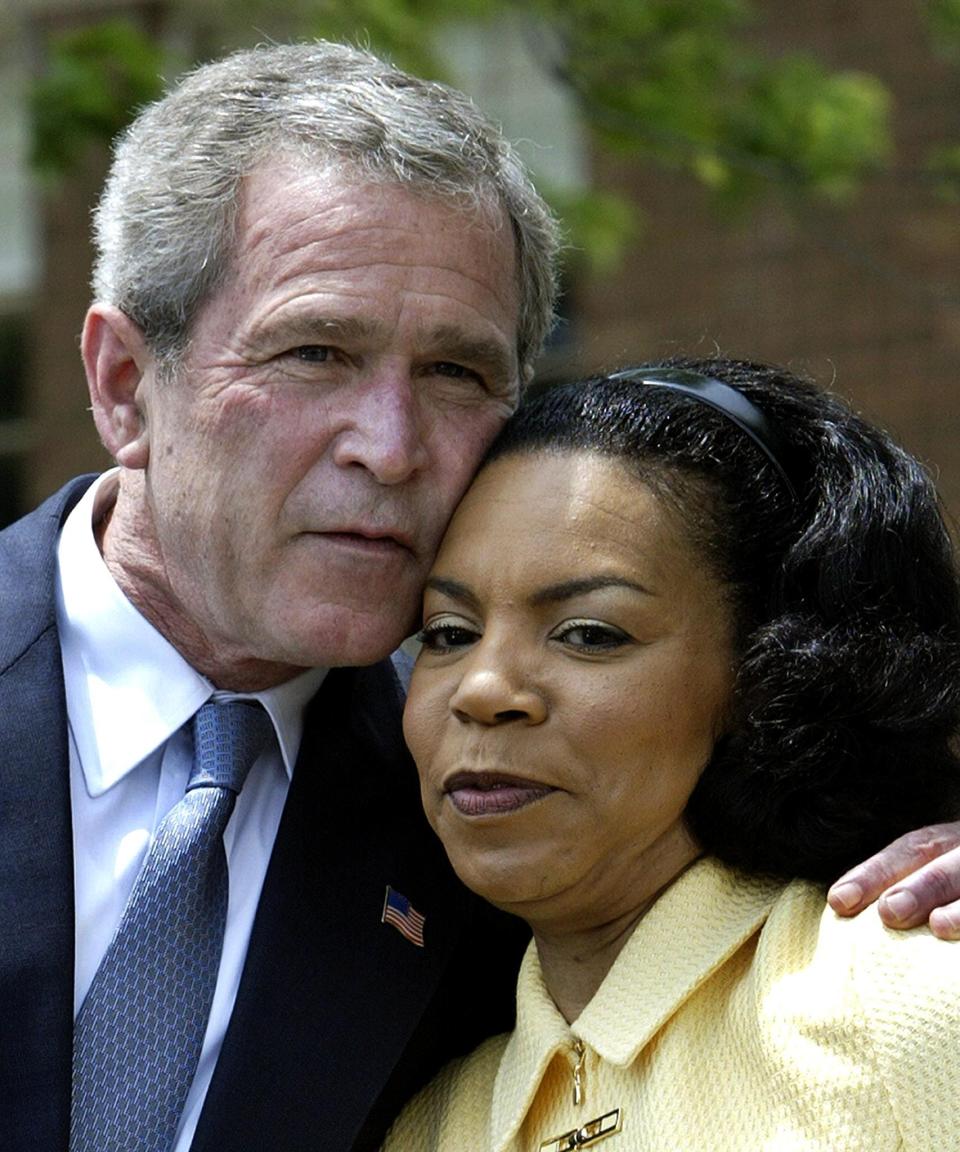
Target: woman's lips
490, 793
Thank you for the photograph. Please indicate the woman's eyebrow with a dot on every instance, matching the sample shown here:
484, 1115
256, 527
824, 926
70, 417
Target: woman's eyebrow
567, 589
551, 594
453, 590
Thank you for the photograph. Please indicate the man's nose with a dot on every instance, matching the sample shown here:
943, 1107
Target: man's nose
495, 689
386, 431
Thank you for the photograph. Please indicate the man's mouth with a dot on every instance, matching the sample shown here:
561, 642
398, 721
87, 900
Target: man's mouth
369, 541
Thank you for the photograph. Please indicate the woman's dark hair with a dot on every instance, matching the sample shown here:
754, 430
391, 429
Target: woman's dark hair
845, 599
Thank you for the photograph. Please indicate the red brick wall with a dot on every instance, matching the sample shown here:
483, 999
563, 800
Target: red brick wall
866, 299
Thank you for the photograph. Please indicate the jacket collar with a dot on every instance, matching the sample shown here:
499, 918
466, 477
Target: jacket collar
695, 926
36, 858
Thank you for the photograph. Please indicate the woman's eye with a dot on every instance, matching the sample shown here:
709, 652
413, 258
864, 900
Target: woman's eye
446, 637
591, 636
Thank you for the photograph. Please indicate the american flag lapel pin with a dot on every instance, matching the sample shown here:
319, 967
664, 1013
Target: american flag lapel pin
398, 911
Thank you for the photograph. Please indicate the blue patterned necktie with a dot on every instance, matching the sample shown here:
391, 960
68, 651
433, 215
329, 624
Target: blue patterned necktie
139, 1032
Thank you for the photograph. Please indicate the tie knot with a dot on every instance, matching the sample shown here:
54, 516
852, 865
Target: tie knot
227, 738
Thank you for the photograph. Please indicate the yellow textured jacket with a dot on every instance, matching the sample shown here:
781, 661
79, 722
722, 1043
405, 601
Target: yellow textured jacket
741, 1016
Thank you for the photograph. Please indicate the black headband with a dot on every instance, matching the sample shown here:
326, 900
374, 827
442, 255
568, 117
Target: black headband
724, 399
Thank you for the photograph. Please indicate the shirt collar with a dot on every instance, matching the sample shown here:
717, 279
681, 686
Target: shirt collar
694, 927
128, 689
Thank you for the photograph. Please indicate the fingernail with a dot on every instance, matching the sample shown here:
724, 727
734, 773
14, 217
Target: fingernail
901, 905
848, 894
944, 924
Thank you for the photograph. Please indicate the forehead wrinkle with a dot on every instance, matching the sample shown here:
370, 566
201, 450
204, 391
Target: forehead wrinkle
300, 328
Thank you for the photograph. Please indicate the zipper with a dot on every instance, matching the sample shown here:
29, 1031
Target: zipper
580, 1054
585, 1135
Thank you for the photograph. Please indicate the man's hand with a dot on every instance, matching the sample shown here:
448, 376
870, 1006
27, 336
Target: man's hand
916, 878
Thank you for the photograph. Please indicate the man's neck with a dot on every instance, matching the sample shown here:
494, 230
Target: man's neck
140, 574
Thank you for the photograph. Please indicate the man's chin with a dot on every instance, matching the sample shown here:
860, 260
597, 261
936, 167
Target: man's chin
337, 641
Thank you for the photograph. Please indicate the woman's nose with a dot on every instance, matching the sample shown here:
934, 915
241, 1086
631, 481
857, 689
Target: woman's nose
494, 692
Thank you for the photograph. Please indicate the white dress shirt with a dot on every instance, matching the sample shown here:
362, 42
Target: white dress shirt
129, 694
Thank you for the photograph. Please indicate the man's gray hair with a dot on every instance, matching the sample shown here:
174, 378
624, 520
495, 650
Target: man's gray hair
165, 225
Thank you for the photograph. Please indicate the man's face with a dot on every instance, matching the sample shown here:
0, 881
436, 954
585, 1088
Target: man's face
335, 398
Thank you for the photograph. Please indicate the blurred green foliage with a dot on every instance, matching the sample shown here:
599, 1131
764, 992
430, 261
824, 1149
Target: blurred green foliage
96, 78
944, 22
682, 81
686, 83
944, 167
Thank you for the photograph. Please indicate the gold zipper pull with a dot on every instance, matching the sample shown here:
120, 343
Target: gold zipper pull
581, 1054
591, 1133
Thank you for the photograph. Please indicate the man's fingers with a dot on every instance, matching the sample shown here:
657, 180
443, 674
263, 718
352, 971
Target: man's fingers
917, 893
915, 898
945, 922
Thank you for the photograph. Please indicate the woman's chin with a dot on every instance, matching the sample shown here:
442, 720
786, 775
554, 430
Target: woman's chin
515, 881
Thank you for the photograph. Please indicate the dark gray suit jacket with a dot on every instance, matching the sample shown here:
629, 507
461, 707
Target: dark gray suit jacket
338, 1017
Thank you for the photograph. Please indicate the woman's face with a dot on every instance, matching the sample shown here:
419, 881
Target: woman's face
576, 672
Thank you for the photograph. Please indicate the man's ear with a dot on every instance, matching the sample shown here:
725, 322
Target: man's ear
117, 360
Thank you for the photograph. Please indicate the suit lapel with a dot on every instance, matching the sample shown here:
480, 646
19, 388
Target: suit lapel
36, 851
330, 996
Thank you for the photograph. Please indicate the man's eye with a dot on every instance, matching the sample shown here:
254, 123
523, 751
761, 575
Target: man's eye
591, 636
446, 637
456, 371
313, 353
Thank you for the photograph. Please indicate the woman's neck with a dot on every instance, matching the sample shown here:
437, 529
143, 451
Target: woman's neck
575, 959
575, 964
